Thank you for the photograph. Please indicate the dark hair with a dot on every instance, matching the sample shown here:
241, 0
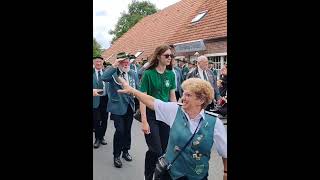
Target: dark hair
155, 57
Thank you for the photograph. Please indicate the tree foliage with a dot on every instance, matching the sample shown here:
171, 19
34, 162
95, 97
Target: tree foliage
96, 48
136, 11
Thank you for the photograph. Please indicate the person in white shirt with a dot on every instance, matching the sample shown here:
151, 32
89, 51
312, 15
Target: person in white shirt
203, 72
184, 121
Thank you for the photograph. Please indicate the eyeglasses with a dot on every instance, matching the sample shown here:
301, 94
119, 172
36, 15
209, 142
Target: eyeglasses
167, 56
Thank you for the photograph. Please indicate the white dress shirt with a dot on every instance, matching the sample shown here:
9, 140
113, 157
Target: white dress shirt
200, 71
126, 76
167, 111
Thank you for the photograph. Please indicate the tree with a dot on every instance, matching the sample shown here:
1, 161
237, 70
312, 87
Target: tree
96, 48
136, 11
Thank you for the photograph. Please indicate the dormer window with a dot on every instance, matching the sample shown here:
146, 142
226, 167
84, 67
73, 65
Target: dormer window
199, 16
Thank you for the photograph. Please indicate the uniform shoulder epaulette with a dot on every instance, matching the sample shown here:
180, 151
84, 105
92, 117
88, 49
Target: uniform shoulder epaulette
211, 113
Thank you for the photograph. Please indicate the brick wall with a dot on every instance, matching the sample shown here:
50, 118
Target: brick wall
216, 47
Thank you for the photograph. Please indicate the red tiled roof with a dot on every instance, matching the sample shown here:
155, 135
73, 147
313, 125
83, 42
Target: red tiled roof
173, 25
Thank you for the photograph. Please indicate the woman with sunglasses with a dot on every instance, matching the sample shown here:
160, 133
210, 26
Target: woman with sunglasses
157, 81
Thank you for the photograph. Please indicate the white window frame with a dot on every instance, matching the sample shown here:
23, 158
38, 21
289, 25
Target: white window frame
219, 60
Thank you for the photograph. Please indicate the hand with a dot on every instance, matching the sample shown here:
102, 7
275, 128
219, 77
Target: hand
145, 127
225, 175
221, 101
219, 84
95, 92
116, 63
146, 65
126, 88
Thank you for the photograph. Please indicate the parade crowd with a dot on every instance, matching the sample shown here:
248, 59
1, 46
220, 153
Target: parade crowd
174, 99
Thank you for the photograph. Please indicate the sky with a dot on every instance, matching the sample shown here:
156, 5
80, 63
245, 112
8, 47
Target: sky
107, 12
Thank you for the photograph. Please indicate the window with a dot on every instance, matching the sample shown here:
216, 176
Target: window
218, 63
225, 60
199, 16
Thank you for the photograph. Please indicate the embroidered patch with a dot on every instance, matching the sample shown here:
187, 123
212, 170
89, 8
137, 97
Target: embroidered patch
199, 169
167, 83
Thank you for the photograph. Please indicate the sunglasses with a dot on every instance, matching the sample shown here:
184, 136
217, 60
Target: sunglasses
167, 56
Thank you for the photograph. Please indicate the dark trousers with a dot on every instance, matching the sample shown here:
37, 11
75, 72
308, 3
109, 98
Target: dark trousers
157, 142
177, 95
137, 104
100, 118
166, 176
122, 135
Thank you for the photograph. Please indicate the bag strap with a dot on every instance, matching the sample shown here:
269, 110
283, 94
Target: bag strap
185, 145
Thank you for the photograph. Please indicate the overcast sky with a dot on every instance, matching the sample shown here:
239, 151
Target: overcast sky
107, 12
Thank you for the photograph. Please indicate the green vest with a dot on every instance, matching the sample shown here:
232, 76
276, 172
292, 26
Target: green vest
194, 160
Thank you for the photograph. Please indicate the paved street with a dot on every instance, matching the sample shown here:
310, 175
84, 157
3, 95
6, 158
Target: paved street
103, 168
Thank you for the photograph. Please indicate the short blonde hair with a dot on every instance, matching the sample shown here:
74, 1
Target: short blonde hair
201, 88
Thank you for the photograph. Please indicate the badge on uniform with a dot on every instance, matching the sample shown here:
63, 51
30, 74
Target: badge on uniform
197, 142
176, 149
206, 125
197, 155
200, 137
199, 169
167, 84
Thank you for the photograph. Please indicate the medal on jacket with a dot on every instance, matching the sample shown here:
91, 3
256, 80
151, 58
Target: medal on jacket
176, 149
197, 142
197, 155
